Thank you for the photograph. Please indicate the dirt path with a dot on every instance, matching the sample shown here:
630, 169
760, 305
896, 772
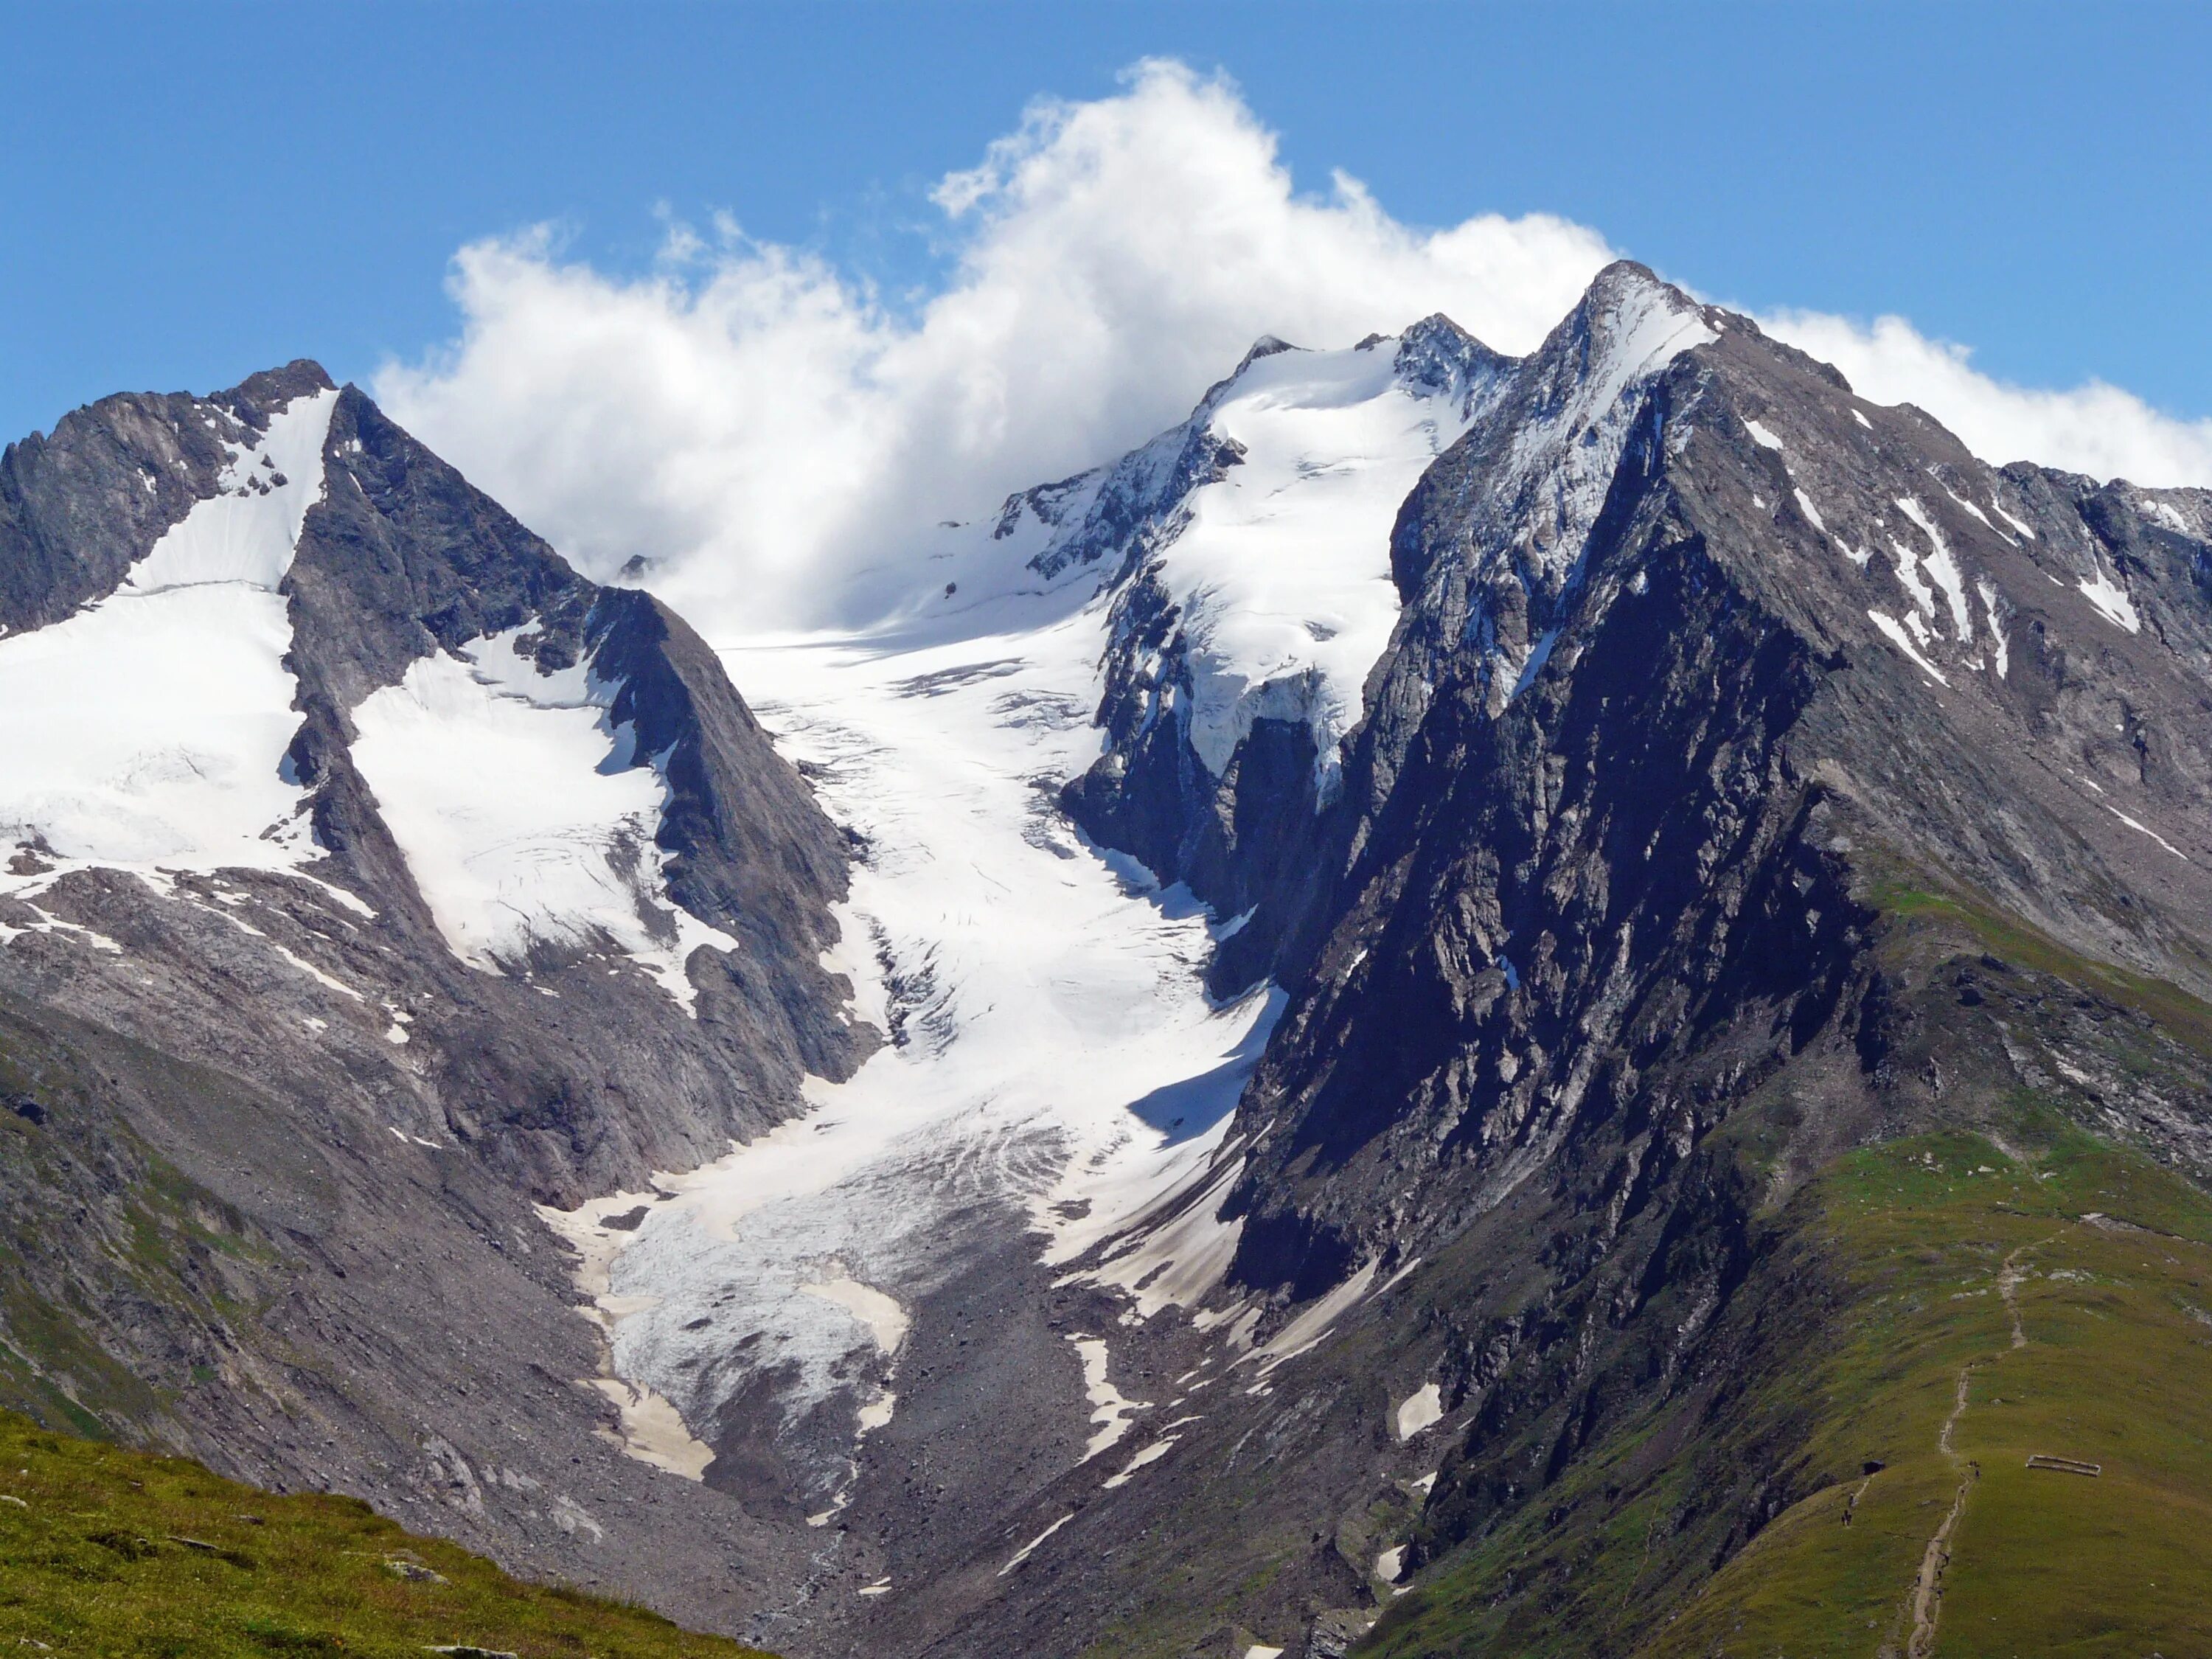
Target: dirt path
1928, 1587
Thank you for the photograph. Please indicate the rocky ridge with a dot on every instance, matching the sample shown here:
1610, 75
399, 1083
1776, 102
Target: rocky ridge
279, 1121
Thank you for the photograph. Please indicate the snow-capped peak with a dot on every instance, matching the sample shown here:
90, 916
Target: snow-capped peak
1279, 564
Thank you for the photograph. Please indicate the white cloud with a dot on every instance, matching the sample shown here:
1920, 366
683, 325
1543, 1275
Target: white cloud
2095, 428
760, 425
762, 428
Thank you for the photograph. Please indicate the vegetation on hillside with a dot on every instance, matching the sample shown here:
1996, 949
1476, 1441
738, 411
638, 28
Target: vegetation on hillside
119, 1553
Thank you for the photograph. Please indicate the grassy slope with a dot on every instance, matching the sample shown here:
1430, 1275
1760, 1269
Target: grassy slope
1882, 1288
90, 1563
2113, 1369
2116, 1369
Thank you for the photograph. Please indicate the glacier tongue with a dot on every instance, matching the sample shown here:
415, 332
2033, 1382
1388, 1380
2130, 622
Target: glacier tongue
1054, 1040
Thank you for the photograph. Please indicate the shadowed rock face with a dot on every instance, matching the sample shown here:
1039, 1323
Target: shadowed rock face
289, 1143
1712, 748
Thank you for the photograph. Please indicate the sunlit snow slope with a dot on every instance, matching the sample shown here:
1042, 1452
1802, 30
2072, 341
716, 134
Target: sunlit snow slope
1053, 1047
148, 731
523, 814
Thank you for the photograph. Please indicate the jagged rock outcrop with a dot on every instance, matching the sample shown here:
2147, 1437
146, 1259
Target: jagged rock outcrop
1638, 760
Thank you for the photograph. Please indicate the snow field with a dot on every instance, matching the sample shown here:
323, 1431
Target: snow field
1283, 569
521, 820
148, 731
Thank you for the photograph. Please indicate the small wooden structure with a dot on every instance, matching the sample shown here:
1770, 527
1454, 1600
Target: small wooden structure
2064, 1465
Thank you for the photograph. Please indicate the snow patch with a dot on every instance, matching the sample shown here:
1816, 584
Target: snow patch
653, 1431
1944, 566
2167, 514
1111, 1411
1024, 1553
1151, 1454
148, 731
1903, 640
505, 788
2111, 600
1313, 1324
1422, 1409
2003, 646
2145, 830
247, 533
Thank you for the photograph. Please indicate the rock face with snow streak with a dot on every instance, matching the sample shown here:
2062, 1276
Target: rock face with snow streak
1794, 628
365, 875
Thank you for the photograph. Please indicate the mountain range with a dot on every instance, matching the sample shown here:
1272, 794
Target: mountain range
1471, 1005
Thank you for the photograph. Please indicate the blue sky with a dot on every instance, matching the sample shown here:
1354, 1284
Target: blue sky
197, 190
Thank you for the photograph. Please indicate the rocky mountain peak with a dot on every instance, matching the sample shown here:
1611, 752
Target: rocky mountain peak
272, 389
